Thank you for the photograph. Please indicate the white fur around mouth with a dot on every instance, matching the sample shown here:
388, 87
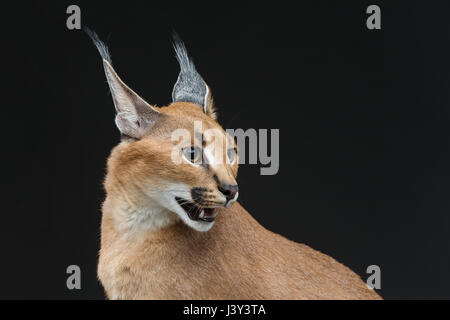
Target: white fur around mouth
195, 212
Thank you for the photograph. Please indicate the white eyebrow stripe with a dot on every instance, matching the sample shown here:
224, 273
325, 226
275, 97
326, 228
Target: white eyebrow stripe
209, 156
224, 170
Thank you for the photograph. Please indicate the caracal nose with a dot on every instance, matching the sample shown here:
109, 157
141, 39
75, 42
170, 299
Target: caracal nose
229, 191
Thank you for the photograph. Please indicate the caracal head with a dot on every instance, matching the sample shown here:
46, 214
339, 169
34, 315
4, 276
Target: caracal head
175, 161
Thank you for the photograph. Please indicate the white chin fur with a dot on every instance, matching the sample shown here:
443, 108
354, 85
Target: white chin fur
171, 204
200, 226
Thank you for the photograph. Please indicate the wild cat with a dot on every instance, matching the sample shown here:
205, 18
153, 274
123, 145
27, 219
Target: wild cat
171, 226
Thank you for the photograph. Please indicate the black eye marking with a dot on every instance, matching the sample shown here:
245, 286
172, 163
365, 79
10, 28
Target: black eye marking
216, 179
203, 140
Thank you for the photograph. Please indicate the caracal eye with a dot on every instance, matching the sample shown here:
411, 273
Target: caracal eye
192, 154
231, 154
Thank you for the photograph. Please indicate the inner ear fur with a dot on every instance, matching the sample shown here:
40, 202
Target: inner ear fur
134, 115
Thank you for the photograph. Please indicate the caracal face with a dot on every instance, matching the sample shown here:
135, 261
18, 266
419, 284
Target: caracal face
186, 163
174, 162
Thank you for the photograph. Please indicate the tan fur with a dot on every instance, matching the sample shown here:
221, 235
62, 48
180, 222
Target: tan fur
236, 259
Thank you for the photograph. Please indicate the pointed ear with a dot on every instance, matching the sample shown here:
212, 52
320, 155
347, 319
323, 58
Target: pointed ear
134, 115
190, 86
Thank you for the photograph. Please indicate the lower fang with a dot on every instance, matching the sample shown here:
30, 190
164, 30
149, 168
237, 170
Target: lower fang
210, 212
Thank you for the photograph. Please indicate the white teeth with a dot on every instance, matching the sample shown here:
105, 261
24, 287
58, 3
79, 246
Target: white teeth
202, 214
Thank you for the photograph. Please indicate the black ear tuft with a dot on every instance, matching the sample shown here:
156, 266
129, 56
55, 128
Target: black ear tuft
101, 47
190, 86
185, 61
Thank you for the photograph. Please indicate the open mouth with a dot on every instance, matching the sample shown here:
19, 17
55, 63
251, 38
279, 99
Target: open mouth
196, 212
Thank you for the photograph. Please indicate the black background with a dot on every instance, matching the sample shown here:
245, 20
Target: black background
363, 118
